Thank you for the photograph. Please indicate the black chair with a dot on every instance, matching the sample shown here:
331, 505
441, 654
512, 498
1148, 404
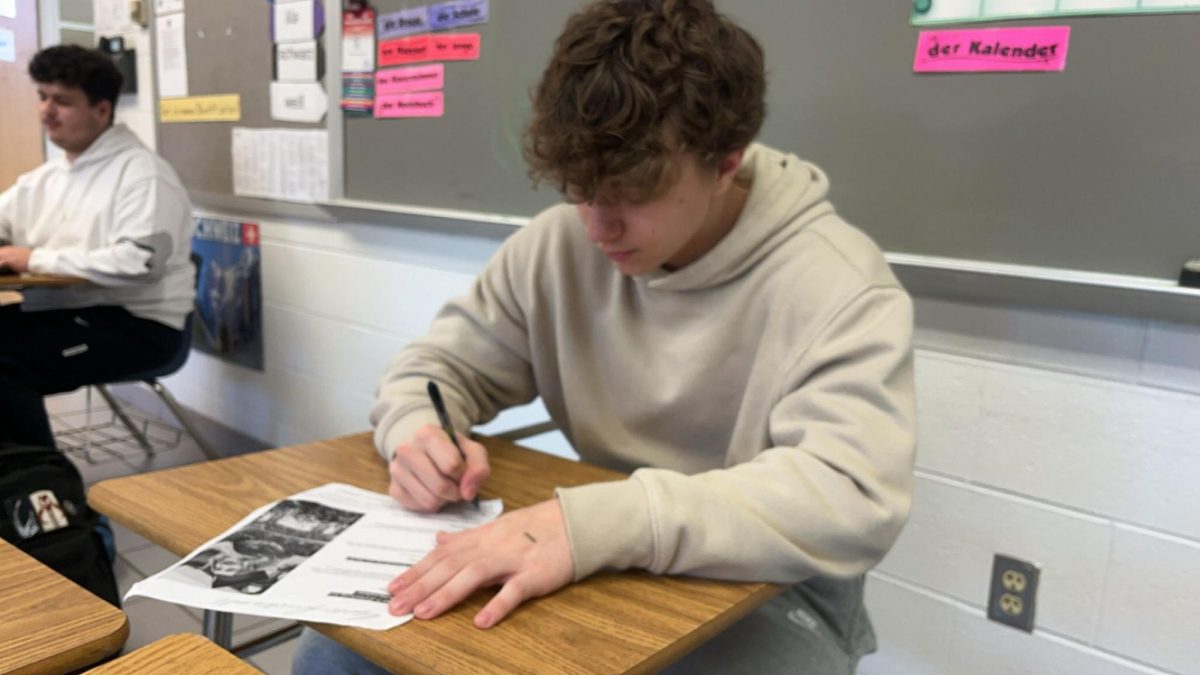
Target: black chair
151, 379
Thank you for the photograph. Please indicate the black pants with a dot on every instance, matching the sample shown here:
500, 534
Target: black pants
54, 351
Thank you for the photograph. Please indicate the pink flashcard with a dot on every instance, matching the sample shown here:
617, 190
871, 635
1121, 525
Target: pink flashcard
405, 50
1038, 48
412, 78
424, 104
456, 47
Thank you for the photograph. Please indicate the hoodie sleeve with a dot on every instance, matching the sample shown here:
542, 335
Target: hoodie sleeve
828, 497
477, 350
8, 200
146, 230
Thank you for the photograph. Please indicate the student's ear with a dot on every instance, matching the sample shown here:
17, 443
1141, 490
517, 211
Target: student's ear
104, 110
728, 167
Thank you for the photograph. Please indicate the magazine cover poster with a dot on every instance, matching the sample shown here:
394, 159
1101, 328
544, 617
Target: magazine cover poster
228, 320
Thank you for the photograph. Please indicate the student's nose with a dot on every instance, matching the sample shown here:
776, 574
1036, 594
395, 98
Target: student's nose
603, 223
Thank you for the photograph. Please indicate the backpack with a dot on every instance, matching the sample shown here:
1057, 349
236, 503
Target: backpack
44, 512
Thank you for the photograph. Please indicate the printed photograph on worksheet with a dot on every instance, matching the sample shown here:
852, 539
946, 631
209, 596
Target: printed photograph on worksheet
260, 554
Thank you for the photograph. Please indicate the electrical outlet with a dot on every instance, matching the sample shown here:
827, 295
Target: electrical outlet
1013, 592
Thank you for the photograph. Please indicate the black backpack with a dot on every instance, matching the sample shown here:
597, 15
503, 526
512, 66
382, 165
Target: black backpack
45, 514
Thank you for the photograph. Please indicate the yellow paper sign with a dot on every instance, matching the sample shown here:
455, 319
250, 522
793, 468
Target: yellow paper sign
218, 108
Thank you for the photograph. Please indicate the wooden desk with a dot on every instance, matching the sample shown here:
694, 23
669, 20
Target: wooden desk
630, 622
183, 654
16, 281
48, 623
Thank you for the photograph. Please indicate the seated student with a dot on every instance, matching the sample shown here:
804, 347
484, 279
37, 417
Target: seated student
110, 211
698, 314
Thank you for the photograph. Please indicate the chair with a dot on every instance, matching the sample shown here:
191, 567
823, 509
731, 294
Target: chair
151, 379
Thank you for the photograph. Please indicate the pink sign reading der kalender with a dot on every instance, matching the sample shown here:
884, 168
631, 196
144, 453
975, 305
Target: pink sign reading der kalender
1039, 48
421, 104
412, 78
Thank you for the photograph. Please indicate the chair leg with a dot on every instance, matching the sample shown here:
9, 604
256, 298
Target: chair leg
182, 417
137, 433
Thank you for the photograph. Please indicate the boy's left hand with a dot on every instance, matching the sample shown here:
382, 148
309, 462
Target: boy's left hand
15, 258
526, 551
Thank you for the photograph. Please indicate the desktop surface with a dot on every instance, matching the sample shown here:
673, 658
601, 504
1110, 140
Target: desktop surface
627, 622
47, 622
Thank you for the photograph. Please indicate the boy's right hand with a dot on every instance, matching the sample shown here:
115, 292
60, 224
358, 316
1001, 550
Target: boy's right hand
428, 473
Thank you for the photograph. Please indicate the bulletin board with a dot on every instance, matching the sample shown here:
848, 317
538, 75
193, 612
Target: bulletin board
229, 51
1094, 168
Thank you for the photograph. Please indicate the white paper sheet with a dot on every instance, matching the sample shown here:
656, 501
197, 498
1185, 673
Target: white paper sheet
167, 6
111, 17
281, 164
8, 8
294, 21
304, 102
296, 61
324, 555
171, 56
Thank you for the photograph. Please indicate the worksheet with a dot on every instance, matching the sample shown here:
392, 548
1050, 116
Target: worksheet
324, 555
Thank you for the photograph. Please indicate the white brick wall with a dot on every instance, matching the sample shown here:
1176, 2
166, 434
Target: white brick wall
339, 302
956, 528
1065, 439
1150, 600
922, 633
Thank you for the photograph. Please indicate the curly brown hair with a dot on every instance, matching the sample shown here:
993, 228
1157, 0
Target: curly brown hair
630, 83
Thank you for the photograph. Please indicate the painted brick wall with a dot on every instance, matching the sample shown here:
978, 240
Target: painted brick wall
1068, 440
339, 302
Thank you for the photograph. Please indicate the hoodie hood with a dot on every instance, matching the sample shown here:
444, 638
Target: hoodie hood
116, 138
786, 194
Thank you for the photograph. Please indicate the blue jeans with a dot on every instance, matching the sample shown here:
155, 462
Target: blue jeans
319, 655
819, 627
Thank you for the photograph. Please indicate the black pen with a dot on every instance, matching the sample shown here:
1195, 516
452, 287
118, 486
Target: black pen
435, 395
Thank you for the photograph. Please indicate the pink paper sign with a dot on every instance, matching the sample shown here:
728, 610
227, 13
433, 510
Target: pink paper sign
1039, 48
424, 104
412, 78
404, 50
456, 47
452, 47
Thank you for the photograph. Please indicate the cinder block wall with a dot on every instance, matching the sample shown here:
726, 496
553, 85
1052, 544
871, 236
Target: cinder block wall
1064, 439
1068, 440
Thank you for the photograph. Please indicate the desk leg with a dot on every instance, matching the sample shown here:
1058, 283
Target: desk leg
218, 627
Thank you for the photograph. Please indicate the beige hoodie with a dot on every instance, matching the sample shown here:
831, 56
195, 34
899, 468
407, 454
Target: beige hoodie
762, 395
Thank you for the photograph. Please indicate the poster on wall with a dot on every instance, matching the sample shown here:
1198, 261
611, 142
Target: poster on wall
228, 319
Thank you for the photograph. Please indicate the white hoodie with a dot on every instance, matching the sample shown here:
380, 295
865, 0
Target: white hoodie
763, 394
119, 217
